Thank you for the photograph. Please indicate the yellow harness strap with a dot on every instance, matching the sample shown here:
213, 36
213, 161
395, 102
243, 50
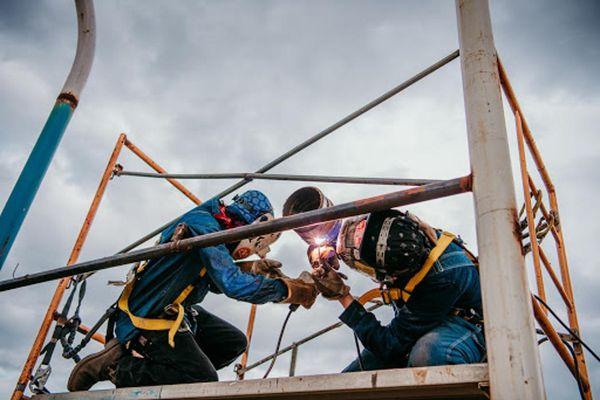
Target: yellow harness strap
443, 242
158, 324
396, 293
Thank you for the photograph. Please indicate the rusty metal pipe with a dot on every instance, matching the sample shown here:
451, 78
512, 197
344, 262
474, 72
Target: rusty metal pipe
381, 202
387, 95
138, 152
36, 348
539, 279
554, 338
249, 331
286, 177
555, 279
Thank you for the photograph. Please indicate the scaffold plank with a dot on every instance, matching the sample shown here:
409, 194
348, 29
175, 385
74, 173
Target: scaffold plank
444, 382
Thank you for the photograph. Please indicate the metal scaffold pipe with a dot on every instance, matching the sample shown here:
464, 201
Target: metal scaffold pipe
387, 95
512, 353
382, 202
37, 164
286, 177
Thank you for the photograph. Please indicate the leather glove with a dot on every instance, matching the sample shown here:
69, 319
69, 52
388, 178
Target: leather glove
330, 283
425, 227
301, 290
322, 256
267, 267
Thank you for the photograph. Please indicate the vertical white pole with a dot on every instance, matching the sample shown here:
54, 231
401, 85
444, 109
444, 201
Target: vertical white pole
513, 357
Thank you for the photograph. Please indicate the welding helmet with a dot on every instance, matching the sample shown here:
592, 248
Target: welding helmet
252, 207
384, 245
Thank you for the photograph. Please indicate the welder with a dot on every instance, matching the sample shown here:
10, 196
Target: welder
163, 335
427, 276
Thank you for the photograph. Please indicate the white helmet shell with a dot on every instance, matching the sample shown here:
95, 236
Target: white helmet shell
258, 245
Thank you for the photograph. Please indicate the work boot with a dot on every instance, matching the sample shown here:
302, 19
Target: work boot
96, 367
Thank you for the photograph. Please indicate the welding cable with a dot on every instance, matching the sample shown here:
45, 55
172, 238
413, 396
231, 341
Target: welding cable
287, 318
571, 331
360, 360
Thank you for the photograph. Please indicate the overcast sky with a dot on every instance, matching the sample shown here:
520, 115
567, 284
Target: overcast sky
228, 86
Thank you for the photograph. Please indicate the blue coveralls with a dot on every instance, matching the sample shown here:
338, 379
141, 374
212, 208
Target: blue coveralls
423, 331
162, 280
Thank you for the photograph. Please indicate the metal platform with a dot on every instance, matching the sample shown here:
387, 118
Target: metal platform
445, 382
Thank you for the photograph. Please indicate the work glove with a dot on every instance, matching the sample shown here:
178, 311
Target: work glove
330, 283
267, 267
301, 290
425, 227
322, 257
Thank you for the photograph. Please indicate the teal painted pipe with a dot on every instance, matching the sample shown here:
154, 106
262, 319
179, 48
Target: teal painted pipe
31, 177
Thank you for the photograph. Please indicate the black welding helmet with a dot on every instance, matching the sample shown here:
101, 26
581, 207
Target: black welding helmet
384, 245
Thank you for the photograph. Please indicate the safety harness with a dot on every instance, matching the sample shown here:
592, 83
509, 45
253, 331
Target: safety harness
174, 309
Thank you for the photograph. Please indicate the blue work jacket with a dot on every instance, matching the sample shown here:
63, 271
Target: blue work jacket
452, 283
166, 277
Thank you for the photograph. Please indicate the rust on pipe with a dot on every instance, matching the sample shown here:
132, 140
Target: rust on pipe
557, 232
539, 279
382, 202
555, 279
516, 108
249, 331
556, 341
138, 152
36, 348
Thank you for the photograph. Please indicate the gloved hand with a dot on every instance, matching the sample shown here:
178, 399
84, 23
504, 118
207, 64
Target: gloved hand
321, 257
301, 290
267, 267
330, 283
425, 227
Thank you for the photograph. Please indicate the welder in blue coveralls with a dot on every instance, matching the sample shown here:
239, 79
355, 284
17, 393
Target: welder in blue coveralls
163, 335
427, 276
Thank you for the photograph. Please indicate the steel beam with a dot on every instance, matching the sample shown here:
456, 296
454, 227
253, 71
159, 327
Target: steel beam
513, 357
381, 202
286, 177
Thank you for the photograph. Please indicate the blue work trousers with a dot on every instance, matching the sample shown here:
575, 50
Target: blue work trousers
454, 341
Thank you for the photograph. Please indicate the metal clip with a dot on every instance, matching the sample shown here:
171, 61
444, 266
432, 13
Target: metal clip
39, 379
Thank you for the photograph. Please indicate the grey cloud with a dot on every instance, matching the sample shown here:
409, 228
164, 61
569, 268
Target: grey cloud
228, 86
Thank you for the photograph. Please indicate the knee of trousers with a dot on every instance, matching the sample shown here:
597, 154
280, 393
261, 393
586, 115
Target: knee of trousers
428, 351
240, 344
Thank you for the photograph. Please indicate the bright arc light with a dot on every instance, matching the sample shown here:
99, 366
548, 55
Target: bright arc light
319, 241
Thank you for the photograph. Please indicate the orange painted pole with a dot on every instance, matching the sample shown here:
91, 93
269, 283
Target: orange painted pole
535, 251
556, 341
249, 331
516, 108
560, 244
138, 152
555, 279
36, 348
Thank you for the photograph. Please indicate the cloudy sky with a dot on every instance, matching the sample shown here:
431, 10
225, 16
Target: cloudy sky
228, 86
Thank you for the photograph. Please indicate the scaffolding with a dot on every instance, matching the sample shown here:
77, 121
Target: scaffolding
513, 367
